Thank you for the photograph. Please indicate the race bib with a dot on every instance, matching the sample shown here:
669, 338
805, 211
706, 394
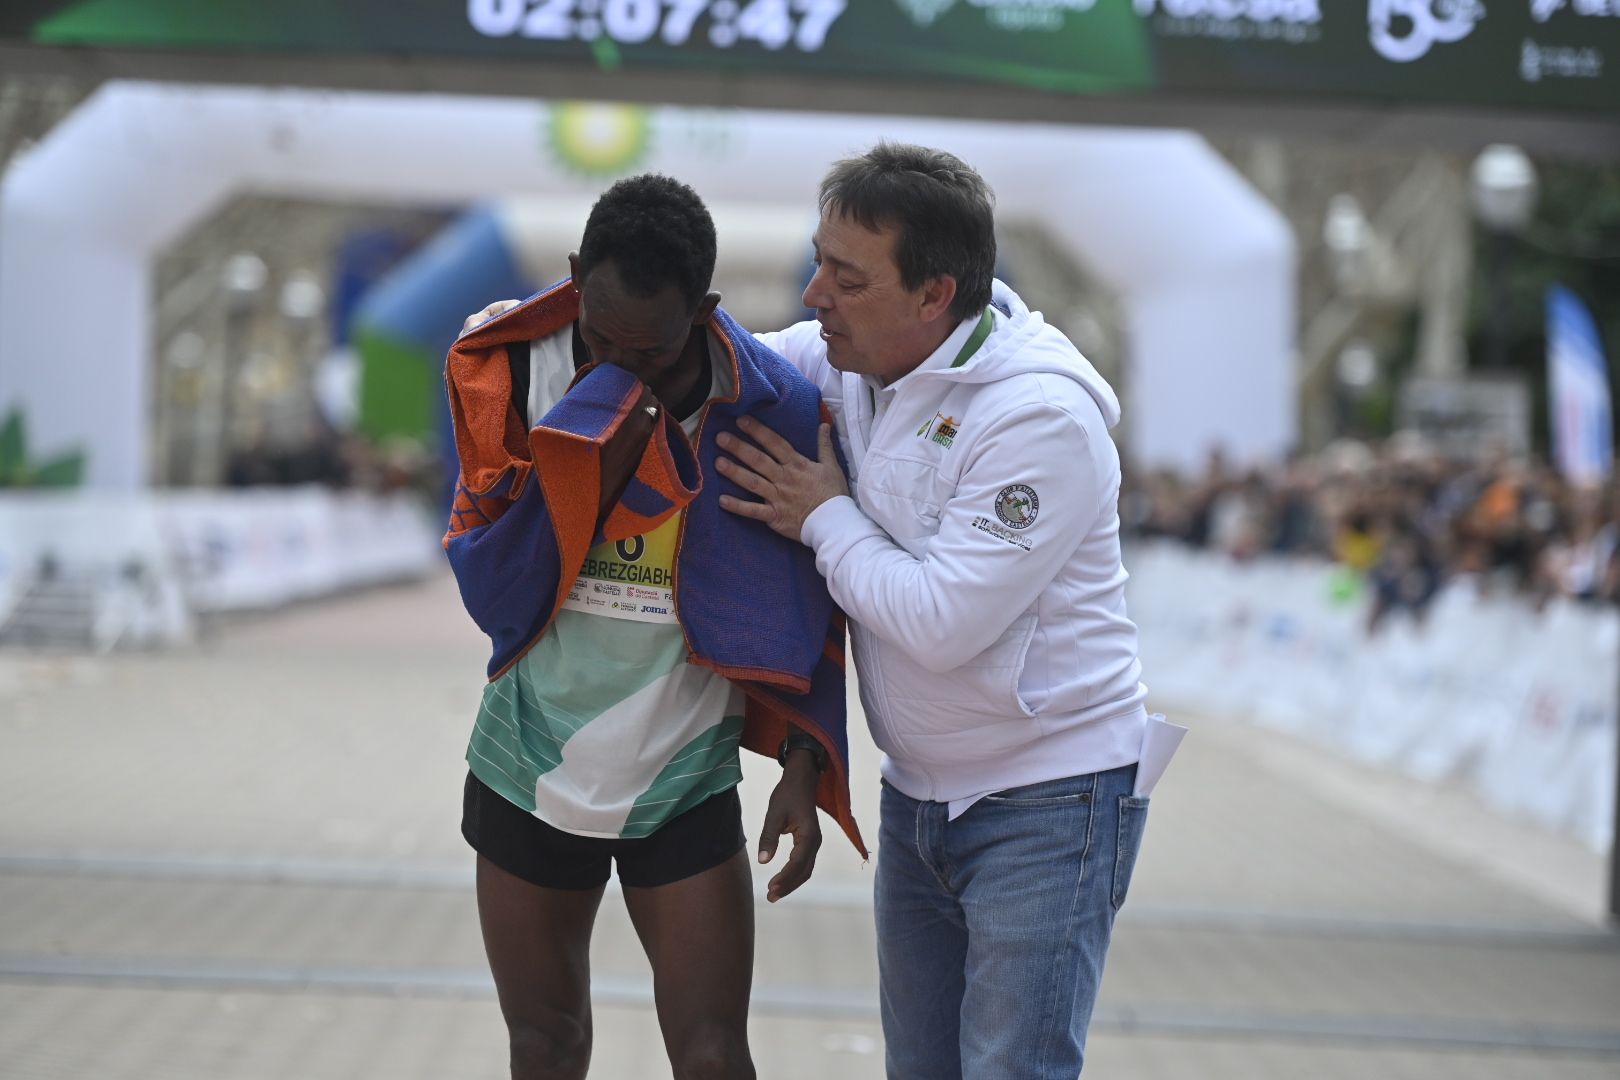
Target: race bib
630, 579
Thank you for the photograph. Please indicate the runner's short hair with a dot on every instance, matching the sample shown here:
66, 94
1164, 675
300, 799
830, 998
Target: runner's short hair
657, 232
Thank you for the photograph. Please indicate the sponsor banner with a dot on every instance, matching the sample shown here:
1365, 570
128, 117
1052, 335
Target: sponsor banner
1459, 414
154, 557
1517, 704
1544, 54
262, 548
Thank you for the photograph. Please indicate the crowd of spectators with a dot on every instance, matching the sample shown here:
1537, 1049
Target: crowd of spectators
1403, 517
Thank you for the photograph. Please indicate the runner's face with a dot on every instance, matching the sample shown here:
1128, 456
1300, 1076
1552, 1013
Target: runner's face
645, 335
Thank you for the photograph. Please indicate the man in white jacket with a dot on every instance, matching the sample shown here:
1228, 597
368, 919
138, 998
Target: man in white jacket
976, 551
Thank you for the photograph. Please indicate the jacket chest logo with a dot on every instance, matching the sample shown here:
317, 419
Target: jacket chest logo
941, 429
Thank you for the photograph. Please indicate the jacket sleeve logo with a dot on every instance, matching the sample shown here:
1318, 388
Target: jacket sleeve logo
1017, 505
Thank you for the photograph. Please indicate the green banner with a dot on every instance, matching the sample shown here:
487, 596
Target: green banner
1537, 54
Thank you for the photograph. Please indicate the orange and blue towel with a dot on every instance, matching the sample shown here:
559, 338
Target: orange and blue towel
750, 602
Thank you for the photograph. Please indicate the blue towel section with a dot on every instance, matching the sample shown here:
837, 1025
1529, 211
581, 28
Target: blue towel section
735, 573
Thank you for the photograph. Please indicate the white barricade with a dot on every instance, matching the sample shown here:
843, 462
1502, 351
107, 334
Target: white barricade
1517, 703
211, 551
108, 544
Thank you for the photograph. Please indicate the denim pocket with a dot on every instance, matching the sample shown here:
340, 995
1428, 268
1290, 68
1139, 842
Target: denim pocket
1065, 792
1133, 811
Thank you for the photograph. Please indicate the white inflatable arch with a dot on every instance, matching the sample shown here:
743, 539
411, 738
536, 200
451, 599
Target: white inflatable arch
1203, 264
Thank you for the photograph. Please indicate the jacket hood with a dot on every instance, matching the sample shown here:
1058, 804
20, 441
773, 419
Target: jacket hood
1022, 342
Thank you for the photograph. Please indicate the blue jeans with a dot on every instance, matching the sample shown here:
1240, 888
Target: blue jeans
992, 928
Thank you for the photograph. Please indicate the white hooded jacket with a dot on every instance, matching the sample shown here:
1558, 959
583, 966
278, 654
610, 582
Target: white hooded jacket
978, 559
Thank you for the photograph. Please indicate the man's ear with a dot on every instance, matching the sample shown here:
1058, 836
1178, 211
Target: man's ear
938, 293
573, 270
705, 308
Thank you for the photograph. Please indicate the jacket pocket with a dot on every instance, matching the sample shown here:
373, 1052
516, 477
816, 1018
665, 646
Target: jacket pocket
901, 495
873, 688
908, 520
980, 692
1063, 792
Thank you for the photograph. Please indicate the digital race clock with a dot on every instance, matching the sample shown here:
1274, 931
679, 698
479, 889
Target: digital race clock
774, 24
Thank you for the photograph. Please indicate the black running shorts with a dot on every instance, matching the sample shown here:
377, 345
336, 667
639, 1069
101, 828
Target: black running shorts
526, 847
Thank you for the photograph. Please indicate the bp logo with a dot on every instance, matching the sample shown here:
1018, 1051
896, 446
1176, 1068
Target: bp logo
599, 140
1017, 505
924, 12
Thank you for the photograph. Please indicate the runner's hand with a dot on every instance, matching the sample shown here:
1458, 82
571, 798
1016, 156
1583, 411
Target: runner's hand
792, 809
488, 313
622, 453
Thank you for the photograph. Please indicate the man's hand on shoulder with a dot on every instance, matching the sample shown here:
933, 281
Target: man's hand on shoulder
499, 307
792, 809
789, 485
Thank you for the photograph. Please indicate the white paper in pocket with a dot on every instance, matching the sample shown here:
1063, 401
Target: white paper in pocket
1159, 742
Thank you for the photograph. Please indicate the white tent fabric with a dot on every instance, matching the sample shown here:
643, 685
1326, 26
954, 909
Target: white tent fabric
1203, 264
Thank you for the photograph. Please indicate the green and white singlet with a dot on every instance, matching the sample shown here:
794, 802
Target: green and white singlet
603, 729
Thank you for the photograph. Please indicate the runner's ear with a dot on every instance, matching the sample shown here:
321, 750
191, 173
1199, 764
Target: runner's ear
705, 309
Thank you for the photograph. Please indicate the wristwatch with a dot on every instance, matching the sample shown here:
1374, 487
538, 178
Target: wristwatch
800, 741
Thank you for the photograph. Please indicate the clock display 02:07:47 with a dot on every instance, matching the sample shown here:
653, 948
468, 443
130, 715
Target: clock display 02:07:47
775, 24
